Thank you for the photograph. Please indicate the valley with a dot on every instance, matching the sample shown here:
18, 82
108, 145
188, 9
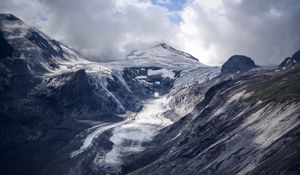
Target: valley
157, 111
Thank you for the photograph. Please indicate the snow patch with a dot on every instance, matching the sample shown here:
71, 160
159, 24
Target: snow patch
162, 72
141, 77
236, 96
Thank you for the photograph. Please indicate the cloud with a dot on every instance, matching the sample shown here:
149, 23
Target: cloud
211, 30
268, 31
103, 30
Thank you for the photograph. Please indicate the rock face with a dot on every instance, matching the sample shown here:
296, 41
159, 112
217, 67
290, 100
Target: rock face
291, 61
145, 82
73, 96
40, 53
237, 64
6, 49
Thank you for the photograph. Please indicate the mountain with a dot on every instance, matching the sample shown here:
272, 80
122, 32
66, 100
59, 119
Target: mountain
51, 95
290, 62
247, 124
38, 51
157, 111
161, 55
237, 64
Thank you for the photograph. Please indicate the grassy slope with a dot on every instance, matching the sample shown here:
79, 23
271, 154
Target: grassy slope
283, 86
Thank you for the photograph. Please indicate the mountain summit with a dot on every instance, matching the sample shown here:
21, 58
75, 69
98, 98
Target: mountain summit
40, 52
291, 61
237, 64
162, 55
176, 51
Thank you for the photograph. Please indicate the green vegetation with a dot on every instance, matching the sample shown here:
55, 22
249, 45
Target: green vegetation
278, 88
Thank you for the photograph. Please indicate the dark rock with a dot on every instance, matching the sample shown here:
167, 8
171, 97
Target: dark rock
73, 95
47, 49
128, 99
148, 87
238, 64
5, 49
291, 61
11, 17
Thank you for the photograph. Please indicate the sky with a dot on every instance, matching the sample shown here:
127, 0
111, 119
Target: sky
211, 30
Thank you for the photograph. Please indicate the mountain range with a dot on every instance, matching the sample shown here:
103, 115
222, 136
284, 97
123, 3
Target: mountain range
157, 111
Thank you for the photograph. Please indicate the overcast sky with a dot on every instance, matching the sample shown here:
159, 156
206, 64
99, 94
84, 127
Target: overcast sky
211, 30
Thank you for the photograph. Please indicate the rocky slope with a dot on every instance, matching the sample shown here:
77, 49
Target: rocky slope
290, 62
246, 124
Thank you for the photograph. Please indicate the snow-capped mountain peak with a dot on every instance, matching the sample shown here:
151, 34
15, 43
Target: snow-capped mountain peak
176, 51
36, 49
161, 55
161, 50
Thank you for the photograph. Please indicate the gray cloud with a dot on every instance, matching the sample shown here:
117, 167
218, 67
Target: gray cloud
108, 29
212, 30
103, 30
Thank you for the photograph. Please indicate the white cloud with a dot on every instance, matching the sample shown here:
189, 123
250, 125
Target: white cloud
268, 31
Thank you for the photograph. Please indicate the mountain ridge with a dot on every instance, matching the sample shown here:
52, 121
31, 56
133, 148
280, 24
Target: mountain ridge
158, 111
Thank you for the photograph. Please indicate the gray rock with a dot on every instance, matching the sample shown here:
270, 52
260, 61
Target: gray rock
237, 64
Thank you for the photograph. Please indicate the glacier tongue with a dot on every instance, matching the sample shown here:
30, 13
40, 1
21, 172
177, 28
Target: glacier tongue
129, 137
